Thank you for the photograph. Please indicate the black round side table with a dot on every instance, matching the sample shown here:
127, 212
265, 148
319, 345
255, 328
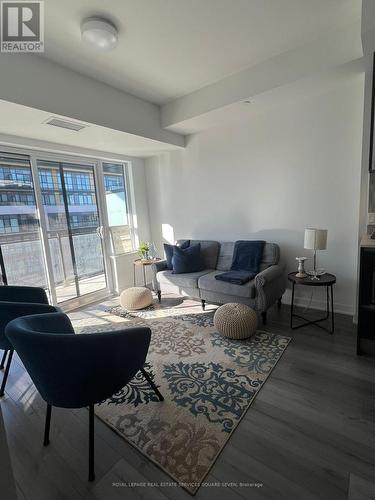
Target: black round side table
327, 280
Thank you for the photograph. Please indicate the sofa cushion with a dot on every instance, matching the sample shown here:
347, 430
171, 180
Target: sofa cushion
168, 251
209, 252
271, 255
189, 280
225, 256
210, 283
187, 260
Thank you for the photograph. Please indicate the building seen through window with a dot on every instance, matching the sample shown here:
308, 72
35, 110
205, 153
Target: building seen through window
16, 190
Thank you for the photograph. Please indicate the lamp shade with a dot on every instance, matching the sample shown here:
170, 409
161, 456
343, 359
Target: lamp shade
315, 239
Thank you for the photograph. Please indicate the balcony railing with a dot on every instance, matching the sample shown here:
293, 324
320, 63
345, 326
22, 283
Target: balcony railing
24, 262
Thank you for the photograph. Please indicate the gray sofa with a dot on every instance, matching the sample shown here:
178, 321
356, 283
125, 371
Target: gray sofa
260, 293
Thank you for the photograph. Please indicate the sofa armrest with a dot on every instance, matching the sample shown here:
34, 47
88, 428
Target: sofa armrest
160, 265
270, 286
269, 274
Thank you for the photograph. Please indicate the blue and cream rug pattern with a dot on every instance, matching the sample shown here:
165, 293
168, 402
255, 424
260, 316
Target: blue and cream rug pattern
207, 380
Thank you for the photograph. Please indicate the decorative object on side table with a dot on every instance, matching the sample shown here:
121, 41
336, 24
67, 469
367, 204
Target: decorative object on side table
143, 263
301, 267
327, 280
143, 250
315, 239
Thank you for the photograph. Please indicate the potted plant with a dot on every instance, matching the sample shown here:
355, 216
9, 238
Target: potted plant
143, 250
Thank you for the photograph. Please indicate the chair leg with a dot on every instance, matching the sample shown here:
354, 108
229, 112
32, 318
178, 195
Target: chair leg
91, 444
203, 304
159, 296
279, 302
148, 378
264, 317
47, 425
3, 360
6, 373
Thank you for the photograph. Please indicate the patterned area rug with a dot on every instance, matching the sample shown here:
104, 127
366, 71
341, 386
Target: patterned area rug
207, 380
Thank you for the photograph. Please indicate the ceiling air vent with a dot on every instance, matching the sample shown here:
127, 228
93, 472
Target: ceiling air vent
58, 122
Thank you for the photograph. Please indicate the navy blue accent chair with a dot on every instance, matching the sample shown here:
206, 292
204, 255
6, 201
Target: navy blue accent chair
16, 301
74, 371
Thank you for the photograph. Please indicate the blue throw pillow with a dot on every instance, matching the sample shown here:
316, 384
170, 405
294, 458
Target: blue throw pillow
187, 260
168, 250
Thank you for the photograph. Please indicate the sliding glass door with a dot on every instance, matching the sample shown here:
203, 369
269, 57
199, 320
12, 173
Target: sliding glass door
73, 227
21, 253
60, 220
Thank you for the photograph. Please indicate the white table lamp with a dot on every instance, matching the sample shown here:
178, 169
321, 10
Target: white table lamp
315, 239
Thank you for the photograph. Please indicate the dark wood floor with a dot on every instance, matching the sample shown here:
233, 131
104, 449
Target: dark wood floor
310, 433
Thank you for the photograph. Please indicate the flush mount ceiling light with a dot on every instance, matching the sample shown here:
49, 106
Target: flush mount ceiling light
99, 33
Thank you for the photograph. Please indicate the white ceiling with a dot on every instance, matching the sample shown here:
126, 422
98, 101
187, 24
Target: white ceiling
21, 121
168, 48
279, 97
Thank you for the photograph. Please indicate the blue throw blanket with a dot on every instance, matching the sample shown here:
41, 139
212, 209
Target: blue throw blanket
236, 277
247, 256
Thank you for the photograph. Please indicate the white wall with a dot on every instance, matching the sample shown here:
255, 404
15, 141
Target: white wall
293, 167
138, 194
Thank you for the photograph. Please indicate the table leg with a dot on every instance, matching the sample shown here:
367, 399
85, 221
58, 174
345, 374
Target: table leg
359, 352
134, 274
330, 322
144, 275
292, 306
333, 316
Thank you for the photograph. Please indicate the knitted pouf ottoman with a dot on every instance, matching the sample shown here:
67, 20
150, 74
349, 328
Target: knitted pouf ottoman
236, 321
135, 298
